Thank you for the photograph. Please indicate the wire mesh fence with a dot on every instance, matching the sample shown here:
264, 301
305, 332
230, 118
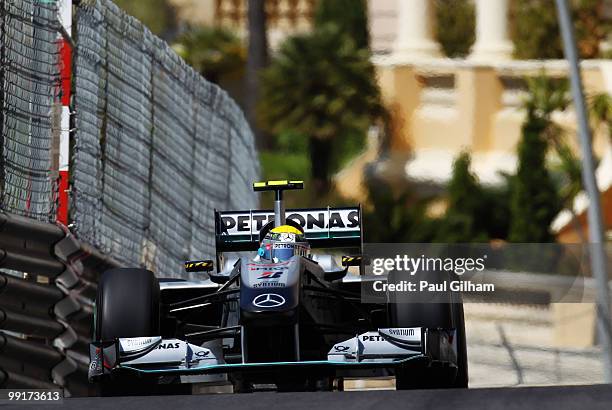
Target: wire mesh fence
29, 75
156, 148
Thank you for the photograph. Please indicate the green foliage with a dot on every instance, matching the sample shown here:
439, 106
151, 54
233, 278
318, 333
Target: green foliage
277, 164
320, 91
474, 214
534, 199
495, 212
456, 24
600, 108
321, 87
285, 165
291, 142
463, 220
212, 51
569, 172
535, 30
351, 17
546, 95
158, 15
396, 217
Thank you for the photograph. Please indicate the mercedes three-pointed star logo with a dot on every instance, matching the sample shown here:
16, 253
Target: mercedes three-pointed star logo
269, 300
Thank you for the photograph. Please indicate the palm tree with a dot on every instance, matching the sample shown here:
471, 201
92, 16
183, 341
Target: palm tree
547, 95
257, 59
534, 196
351, 17
570, 168
320, 86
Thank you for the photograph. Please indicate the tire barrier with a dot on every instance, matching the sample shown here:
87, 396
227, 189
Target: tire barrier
46, 313
18, 292
33, 251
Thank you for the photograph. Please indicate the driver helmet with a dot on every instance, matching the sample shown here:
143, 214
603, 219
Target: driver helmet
283, 242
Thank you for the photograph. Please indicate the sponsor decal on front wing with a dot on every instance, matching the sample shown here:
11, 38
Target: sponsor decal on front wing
172, 352
378, 346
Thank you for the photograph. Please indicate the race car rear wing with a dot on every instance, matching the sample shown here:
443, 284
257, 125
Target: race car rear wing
323, 227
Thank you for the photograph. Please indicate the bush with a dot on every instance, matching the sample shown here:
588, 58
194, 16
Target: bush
463, 221
456, 24
396, 217
496, 209
534, 200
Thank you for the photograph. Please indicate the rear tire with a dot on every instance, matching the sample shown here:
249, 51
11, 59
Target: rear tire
433, 315
462, 379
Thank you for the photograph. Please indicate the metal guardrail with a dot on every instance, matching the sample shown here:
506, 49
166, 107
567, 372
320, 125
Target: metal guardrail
45, 316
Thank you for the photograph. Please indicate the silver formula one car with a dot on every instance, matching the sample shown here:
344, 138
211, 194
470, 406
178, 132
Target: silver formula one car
284, 316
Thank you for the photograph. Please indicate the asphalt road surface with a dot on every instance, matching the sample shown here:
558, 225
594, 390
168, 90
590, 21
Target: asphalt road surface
540, 398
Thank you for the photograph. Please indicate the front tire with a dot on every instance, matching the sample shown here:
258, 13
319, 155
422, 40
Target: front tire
127, 305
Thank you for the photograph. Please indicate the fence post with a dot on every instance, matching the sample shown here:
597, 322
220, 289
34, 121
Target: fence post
65, 15
596, 236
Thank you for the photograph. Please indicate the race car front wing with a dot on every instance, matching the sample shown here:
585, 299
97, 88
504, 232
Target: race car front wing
384, 348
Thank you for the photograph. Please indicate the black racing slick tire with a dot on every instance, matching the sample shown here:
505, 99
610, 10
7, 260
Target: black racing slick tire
432, 315
127, 304
462, 378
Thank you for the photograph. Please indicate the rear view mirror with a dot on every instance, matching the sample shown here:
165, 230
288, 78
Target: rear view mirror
199, 266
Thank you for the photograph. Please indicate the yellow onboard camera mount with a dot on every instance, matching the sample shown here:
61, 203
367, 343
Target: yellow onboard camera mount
278, 187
